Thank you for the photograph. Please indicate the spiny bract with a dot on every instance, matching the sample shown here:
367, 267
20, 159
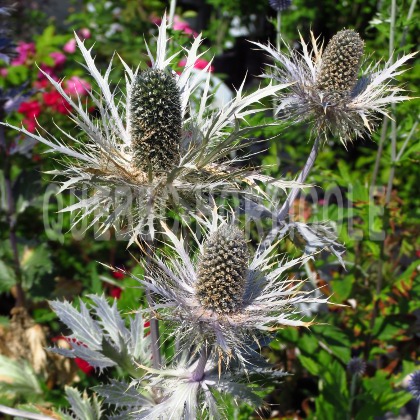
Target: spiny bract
222, 270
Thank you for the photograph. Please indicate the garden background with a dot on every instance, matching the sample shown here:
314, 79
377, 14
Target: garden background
370, 190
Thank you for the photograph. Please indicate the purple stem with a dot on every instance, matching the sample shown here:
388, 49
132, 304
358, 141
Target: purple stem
284, 211
201, 365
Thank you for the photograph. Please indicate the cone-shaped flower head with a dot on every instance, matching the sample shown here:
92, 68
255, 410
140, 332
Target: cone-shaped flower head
222, 296
156, 120
150, 149
221, 273
331, 89
340, 66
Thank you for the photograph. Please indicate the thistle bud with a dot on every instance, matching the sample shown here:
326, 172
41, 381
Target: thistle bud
356, 366
155, 121
341, 62
414, 385
222, 271
280, 5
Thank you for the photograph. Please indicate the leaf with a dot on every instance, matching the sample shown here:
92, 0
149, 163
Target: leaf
7, 277
27, 190
122, 394
17, 378
83, 408
35, 263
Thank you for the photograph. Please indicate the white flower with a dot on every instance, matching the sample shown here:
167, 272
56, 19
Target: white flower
150, 150
327, 89
223, 297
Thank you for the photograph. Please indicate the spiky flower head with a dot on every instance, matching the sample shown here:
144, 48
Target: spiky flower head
356, 366
280, 5
221, 272
340, 65
253, 299
156, 120
332, 89
414, 385
150, 149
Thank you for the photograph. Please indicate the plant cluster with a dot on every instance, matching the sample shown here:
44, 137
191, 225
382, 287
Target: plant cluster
228, 291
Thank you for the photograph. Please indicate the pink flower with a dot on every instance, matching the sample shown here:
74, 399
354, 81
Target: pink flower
70, 46
25, 51
3, 72
59, 58
181, 25
200, 64
77, 86
29, 124
85, 33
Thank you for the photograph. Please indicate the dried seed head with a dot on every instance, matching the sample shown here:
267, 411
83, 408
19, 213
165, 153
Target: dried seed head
155, 120
340, 64
222, 271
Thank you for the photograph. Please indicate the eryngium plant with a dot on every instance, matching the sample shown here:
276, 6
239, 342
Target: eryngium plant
221, 297
150, 149
181, 389
332, 89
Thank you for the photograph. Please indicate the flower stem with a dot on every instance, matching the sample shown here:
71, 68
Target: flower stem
11, 218
201, 365
278, 29
172, 8
154, 323
380, 274
283, 212
352, 395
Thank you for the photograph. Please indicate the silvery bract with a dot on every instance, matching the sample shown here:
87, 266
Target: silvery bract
332, 89
222, 296
150, 149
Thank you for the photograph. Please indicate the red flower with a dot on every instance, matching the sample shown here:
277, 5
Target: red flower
55, 101
115, 291
30, 109
81, 364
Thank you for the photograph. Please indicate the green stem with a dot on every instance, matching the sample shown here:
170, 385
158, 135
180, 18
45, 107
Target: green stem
379, 279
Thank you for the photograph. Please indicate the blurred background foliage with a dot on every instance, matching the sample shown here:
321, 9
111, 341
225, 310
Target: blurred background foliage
43, 258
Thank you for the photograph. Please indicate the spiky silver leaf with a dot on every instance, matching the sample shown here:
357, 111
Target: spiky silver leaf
82, 407
104, 340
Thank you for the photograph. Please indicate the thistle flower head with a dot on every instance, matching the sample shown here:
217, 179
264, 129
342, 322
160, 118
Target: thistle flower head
156, 120
221, 272
280, 5
340, 65
356, 366
331, 89
223, 296
414, 385
150, 149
